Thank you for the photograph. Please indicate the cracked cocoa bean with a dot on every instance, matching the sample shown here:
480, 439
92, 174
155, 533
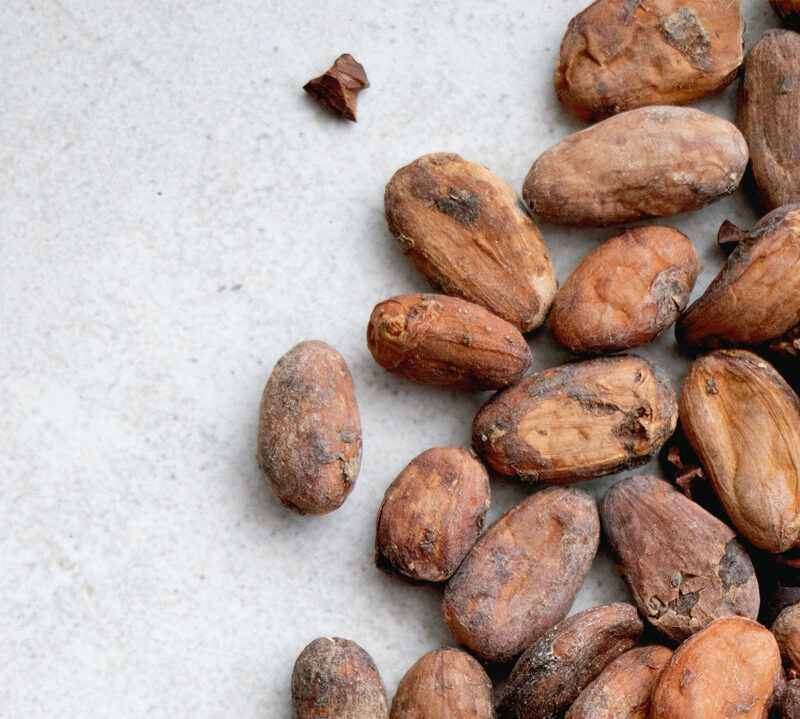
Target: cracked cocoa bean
618, 55
578, 421
523, 574
730, 669
769, 116
446, 342
557, 668
623, 689
743, 422
626, 292
335, 678
756, 297
684, 567
432, 514
309, 429
651, 162
444, 684
465, 229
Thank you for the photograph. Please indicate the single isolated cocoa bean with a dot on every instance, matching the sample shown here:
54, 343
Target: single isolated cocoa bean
446, 342
578, 421
730, 669
335, 678
309, 429
618, 55
786, 629
523, 574
651, 162
756, 297
769, 116
623, 689
444, 684
433, 513
465, 229
684, 567
743, 421
559, 666
788, 11
626, 292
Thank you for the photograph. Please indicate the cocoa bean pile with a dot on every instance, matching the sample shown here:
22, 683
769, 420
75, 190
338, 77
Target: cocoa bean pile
710, 552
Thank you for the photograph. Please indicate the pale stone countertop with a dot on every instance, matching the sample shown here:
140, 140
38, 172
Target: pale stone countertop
177, 213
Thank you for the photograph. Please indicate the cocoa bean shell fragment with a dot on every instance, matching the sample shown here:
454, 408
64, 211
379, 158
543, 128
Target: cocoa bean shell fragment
556, 669
684, 567
578, 421
523, 574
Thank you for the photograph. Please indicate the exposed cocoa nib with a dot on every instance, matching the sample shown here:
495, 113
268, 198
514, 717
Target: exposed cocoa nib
338, 88
735, 567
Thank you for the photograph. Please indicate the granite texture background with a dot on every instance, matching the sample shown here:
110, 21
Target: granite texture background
176, 214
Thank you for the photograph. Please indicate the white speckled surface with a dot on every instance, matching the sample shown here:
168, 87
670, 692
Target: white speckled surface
176, 214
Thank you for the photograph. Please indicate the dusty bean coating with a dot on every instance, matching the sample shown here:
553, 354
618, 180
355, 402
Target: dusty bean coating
444, 684
523, 574
466, 231
432, 514
624, 688
335, 678
446, 342
309, 429
755, 297
559, 666
684, 567
743, 422
618, 55
650, 162
730, 669
786, 629
578, 421
769, 116
626, 292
